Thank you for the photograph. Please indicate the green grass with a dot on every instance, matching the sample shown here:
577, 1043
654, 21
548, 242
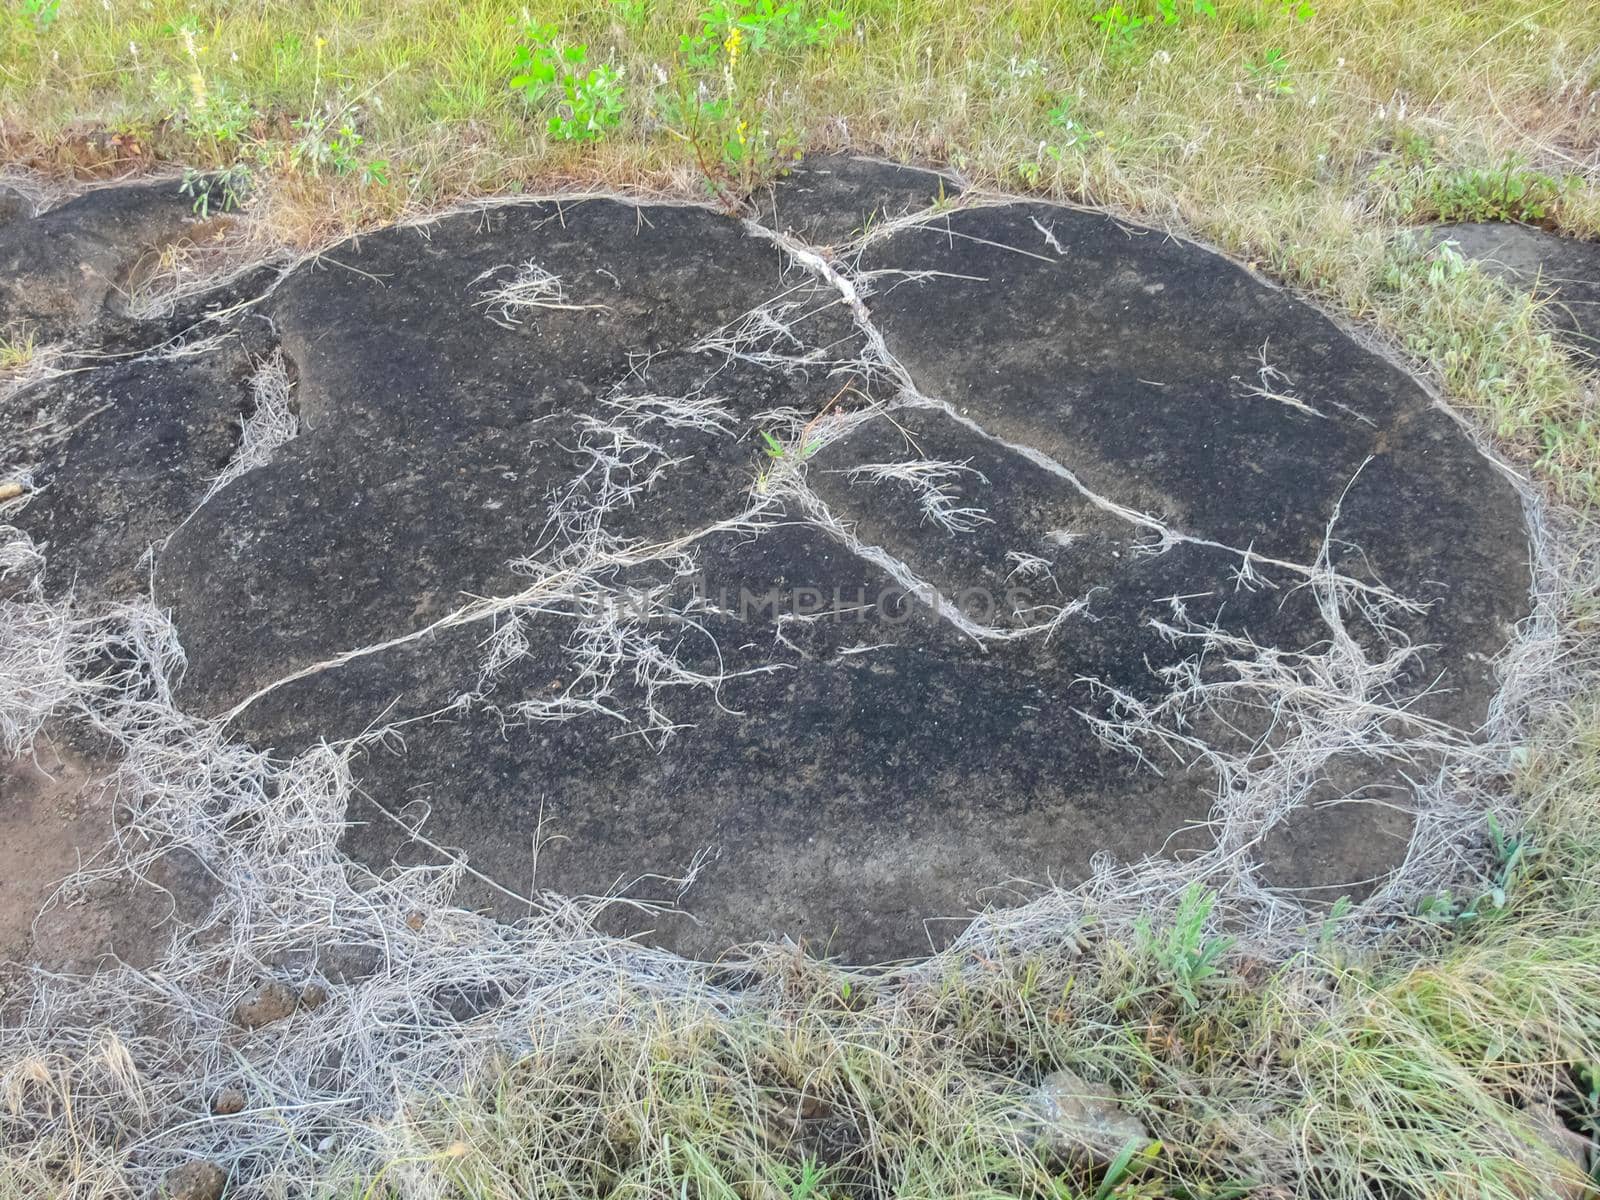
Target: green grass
1304, 145
17, 349
1298, 140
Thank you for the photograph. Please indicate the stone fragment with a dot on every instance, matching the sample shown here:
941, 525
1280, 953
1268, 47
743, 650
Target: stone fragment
1076, 1118
313, 995
194, 1181
1577, 1150
269, 1003
229, 1102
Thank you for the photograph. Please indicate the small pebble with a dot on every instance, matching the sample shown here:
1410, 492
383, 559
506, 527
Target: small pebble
229, 1100
194, 1181
268, 1003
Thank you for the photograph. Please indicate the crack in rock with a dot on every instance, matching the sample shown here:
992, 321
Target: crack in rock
811, 573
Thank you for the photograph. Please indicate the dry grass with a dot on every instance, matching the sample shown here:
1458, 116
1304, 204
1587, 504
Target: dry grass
1420, 1066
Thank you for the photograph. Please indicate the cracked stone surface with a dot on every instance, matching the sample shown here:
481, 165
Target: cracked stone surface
833, 574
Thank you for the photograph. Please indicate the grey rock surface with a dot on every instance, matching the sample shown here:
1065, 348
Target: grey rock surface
63, 268
790, 581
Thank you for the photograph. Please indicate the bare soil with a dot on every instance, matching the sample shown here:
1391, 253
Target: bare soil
56, 813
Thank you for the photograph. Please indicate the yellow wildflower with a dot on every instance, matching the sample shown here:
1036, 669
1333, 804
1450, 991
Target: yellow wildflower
735, 40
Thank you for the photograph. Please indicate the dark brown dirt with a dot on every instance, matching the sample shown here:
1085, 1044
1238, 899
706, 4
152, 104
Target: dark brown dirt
56, 813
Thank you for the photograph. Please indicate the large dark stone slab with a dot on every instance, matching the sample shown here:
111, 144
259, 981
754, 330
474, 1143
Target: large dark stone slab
831, 200
637, 549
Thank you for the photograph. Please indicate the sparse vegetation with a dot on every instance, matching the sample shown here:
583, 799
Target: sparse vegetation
1425, 189
1305, 140
550, 73
1427, 1070
1294, 137
1491, 350
17, 349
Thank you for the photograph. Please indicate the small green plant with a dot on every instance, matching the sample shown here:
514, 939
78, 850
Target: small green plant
719, 107
791, 454
1508, 864
1440, 906
798, 1183
588, 100
1299, 10
1271, 74
1419, 188
778, 452
335, 147
1328, 933
1172, 11
1122, 1168
1119, 27
1066, 128
1188, 956
635, 14
1069, 135
206, 110
733, 145
223, 190
17, 348
1413, 147
592, 106
1588, 1080
729, 28
537, 62
329, 139
43, 13
1511, 193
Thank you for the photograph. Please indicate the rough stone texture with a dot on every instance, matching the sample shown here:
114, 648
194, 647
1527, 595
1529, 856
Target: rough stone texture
1564, 270
194, 1181
61, 269
829, 201
1075, 1118
13, 205
505, 554
123, 455
1577, 1181
265, 1005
